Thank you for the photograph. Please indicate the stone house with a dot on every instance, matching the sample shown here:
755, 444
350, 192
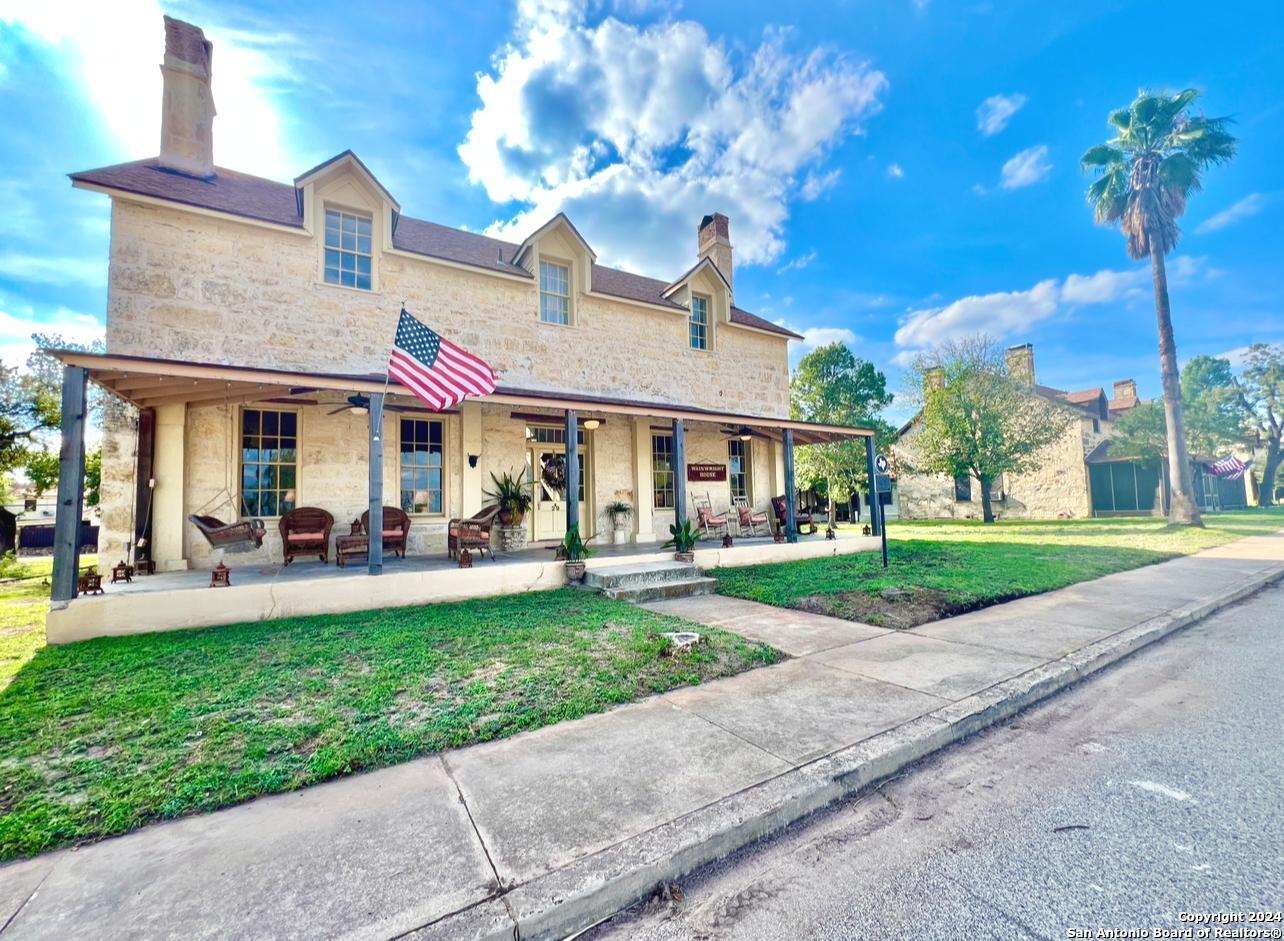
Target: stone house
1063, 485
249, 321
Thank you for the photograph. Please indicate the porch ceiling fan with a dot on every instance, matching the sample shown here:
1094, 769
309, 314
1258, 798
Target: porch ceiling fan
361, 403
744, 433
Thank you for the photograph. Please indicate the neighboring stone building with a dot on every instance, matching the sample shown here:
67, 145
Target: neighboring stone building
242, 313
1061, 487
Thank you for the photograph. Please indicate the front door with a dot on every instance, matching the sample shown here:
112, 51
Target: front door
546, 470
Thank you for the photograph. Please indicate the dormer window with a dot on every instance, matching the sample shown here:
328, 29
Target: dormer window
699, 322
554, 292
347, 249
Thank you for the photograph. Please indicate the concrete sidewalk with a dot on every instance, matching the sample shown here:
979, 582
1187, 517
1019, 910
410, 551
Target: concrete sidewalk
552, 830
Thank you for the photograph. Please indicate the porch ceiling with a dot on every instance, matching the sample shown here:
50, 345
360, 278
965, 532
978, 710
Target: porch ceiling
147, 382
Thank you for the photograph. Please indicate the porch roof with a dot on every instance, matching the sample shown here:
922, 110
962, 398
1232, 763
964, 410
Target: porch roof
147, 382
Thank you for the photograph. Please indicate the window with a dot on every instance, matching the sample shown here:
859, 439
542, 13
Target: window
738, 467
269, 461
963, 489
347, 249
550, 434
420, 466
29, 505
662, 471
699, 322
554, 293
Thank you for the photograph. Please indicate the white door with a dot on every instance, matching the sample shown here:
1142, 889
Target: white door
546, 467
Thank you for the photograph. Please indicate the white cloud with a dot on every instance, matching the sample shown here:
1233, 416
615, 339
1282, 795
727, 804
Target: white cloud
817, 183
797, 264
41, 269
1006, 313
993, 114
634, 131
16, 331
1029, 166
1250, 205
110, 53
822, 336
895, 171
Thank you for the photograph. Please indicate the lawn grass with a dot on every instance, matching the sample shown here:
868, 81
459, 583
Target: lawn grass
104, 736
23, 605
940, 568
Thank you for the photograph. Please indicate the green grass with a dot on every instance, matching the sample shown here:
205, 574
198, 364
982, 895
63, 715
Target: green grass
101, 737
947, 567
23, 605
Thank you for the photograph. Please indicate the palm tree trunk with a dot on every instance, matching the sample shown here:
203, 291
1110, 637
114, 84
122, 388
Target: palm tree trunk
987, 505
1182, 508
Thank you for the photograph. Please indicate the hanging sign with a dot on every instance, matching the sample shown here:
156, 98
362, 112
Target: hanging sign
706, 472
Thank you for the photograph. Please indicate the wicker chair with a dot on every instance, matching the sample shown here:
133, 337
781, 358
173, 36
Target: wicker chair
800, 517
396, 528
473, 533
243, 534
305, 530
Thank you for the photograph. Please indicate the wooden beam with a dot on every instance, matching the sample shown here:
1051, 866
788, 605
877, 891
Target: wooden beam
177, 388
71, 486
253, 393
875, 517
791, 494
374, 552
572, 472
679, 464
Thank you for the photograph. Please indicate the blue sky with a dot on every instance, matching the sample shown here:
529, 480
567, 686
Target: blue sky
896, 172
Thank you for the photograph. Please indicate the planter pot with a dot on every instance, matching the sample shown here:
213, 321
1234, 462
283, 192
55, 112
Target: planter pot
777, 537
684, 556
619, 536
511, 518
575, 571
512, 538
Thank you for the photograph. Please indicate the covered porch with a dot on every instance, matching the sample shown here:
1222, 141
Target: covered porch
195, 442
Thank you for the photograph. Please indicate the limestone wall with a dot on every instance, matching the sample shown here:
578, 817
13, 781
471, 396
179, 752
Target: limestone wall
1057, 489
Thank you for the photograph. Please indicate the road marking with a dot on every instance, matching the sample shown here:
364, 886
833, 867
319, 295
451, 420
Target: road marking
1169, 792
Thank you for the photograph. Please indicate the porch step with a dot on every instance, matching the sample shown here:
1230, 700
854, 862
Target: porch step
613, 577
658, 591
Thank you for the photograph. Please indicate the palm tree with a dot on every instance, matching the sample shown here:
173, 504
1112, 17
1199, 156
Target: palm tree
1144, 177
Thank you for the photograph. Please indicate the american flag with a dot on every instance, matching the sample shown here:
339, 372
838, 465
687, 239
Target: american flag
439, 373
1230, 468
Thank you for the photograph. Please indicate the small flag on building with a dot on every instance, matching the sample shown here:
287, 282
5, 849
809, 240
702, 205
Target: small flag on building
1230, 468
439, 373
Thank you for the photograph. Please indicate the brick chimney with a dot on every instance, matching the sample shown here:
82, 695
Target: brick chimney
1021, 363
1126, 389
187, 104
714, 242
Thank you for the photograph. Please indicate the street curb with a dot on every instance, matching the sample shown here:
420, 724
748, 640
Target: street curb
589, 890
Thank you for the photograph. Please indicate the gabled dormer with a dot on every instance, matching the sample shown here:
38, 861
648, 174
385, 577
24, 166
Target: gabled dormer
353, 218
706, 294
562, 263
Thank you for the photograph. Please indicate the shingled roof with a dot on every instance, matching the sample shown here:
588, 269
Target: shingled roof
252, 197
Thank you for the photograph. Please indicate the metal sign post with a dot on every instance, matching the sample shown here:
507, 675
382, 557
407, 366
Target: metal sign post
882, 485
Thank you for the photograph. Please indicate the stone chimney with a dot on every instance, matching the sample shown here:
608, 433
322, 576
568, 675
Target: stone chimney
1126, 389
1021, 363
933, 379
714, 242
187, 104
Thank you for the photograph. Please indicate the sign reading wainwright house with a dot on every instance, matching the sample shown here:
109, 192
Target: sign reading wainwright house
704, 472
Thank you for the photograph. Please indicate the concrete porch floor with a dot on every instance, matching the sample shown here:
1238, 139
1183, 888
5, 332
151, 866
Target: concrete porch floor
260, 592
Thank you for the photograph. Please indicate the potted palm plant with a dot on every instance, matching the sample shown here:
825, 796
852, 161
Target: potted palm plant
619, 511
683, 540
574, 552
513, 495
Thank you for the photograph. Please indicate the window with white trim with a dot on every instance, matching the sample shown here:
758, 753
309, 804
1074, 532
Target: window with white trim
738, 467
554, 292
420, 453
699, 322
348, 251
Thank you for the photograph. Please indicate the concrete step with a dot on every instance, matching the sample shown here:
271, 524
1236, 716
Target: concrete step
638, 573
658, 591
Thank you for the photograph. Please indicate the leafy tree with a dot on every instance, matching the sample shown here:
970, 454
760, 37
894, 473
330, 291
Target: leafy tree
42, 472
1213, 410
1145, 174
976, 420
834, 386
1262, 396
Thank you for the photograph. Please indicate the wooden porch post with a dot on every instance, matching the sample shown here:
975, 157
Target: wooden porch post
71, 485
875, 508
374, 553
791, 492
679, 473
572, 471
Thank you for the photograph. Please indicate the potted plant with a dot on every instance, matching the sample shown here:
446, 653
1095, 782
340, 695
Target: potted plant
513, 495
619, 512
683, 540
574, 552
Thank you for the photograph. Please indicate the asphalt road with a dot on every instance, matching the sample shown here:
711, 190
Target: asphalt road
1152, 789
